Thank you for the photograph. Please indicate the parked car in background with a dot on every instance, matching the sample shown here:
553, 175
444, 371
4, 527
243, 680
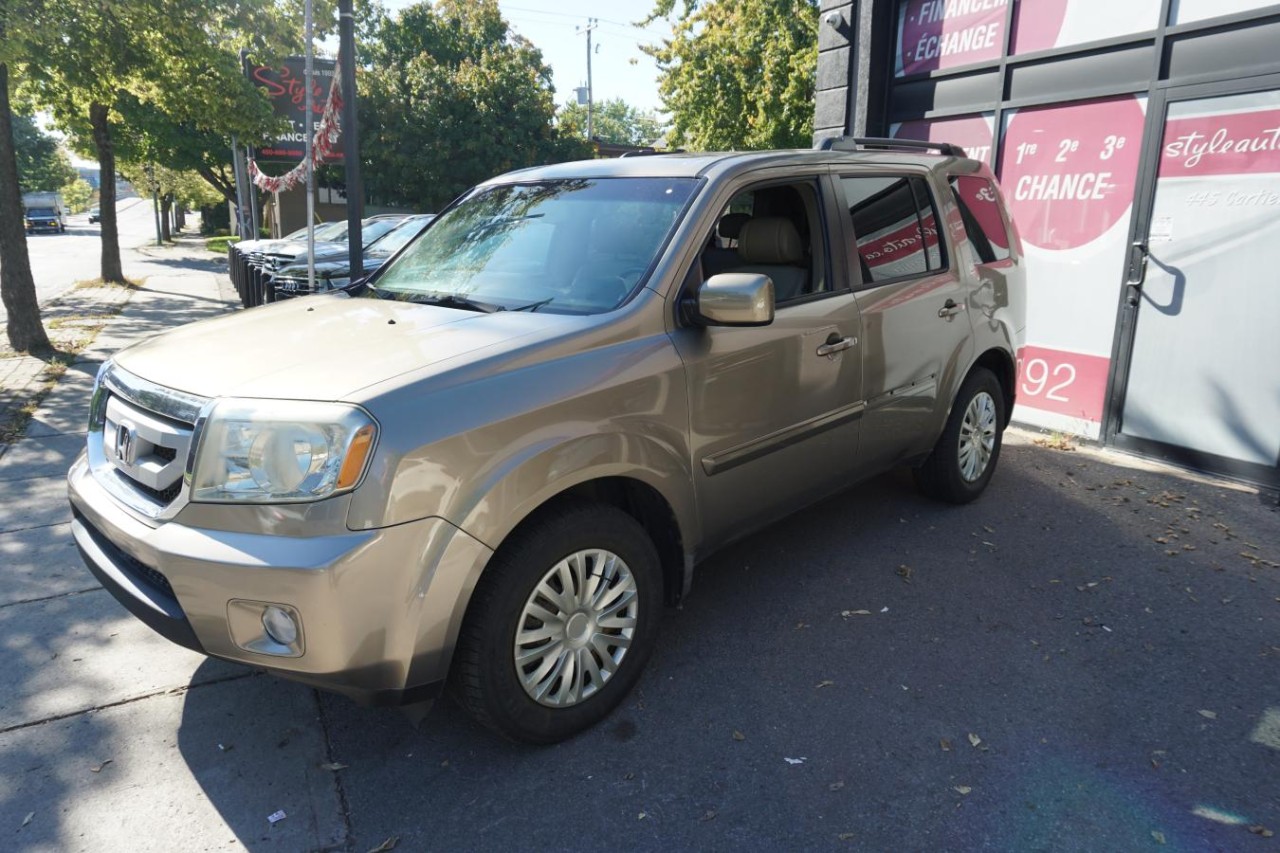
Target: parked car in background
95, 214
333, 269
491, 463
260, 260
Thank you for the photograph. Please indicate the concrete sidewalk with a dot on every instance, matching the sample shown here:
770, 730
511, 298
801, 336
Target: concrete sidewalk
98, 749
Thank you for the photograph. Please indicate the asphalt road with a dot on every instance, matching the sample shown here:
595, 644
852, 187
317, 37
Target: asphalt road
58, 261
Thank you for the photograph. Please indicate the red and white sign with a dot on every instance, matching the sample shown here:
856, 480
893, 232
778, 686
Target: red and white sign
1229, 144
1069, 171
1065, 383
936, 34
972, 133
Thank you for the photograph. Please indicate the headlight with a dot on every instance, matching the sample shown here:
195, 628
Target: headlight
262, 451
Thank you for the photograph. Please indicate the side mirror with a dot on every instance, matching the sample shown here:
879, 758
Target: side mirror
733, 299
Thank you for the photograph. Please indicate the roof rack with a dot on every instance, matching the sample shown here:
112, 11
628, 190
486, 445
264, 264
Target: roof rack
855, 143
648, 151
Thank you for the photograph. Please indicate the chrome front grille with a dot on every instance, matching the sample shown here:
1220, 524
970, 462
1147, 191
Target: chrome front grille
139, 441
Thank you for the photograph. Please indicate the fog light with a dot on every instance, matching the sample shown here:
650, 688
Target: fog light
279, 625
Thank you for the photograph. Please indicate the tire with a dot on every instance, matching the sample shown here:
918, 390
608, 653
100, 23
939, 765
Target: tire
965, 457
559, 550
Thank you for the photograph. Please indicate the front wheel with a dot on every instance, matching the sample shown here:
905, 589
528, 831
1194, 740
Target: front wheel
561, 624
965, 457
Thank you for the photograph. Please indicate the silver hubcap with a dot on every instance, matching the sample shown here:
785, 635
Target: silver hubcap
977, 436
575, 628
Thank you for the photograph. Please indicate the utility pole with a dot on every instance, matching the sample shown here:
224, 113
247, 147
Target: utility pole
310, 171
350, 141
592, 23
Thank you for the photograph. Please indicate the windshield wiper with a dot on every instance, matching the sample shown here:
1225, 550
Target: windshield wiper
533, 306
451, 300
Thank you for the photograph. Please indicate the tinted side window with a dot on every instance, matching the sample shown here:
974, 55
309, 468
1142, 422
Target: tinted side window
895, 225
976, 198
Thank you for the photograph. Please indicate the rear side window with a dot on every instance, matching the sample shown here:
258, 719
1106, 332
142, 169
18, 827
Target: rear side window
980, 210
895, 225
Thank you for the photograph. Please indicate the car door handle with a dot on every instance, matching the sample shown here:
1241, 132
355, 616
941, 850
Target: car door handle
950, 308
835, 344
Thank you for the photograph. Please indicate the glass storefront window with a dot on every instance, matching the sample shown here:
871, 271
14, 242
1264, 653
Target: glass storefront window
1047, 24
973, 133
939, 34
1186, 11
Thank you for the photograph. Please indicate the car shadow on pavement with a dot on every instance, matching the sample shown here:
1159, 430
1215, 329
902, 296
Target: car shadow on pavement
1081, 660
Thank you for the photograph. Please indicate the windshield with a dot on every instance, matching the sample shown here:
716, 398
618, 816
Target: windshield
372, 229
570, 246
324, 231
40, 211
397, 237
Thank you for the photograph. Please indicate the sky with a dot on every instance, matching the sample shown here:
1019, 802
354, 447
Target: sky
619, 69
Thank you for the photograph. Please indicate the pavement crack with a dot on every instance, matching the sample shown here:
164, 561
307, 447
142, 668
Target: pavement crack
51, 597
168, 691
339, 788
34, 527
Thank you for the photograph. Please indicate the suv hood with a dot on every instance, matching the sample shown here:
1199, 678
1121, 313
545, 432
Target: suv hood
321, 348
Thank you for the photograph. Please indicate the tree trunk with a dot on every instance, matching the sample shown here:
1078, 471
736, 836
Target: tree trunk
17, 287
179, 217
111, 269
166, 204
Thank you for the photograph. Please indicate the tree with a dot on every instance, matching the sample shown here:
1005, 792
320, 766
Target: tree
17, 287
42, 164
76, 194
611, 121
167, 71
739, 74
450, 97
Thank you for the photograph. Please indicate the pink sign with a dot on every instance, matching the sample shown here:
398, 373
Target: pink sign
972, 133
1068, 383
938, 34
1069, 171
1230, 144
1037, 25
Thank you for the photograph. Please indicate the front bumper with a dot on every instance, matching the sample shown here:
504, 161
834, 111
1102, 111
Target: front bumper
379, 609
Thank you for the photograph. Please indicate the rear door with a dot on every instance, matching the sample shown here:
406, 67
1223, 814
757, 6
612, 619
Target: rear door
914, 304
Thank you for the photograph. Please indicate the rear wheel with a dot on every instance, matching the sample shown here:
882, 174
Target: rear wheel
965, 457
561, 624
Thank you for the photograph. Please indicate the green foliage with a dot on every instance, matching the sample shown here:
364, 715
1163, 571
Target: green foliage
76, 194
611, 121
42, 164
739, 74
450, 97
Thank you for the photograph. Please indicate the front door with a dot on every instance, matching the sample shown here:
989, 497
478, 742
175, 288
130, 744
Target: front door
1198, 365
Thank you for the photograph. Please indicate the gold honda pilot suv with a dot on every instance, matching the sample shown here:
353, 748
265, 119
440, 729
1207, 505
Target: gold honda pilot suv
490, 464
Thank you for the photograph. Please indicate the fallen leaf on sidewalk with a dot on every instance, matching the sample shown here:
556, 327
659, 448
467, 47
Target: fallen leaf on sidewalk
794, 761
974, 740
1212, 715
962, 789
847, 613
334, 766
26, 820
1158, 836
389, 844
1256, 830
945, 744
826, 682
835, 786
276, 817
847, 836
737, 735
97, 768
708, 815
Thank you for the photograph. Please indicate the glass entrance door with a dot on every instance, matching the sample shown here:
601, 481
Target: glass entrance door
1198, 377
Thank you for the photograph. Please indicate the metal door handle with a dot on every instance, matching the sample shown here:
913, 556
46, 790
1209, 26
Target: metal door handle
950, 308
835, 345
1137, 272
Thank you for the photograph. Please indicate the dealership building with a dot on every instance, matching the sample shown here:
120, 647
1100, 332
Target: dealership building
1138, 145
